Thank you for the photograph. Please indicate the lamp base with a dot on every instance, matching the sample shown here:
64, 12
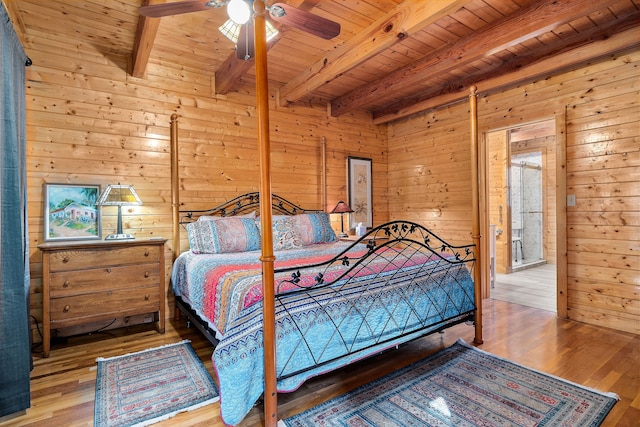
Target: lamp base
123, 236
343, 235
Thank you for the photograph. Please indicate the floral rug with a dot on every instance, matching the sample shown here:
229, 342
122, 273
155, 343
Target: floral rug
462, 386
143, 388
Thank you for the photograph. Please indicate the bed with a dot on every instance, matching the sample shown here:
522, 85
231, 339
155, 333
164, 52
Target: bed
397, 283
335, 301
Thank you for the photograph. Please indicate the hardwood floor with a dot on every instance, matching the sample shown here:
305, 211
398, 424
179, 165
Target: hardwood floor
533, 287
63, 386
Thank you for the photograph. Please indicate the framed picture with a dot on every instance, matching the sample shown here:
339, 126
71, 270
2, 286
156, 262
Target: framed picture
359, 179
70, 212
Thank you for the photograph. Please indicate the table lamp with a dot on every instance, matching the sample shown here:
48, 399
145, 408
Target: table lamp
342, 208
119, 195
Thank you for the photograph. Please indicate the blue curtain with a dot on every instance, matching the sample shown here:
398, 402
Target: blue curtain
15, 351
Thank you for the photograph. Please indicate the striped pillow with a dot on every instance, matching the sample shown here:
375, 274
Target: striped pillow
223, 235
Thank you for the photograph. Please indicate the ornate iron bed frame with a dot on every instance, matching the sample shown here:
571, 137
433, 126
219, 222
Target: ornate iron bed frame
407, 239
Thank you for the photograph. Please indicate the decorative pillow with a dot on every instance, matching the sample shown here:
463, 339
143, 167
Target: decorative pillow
285, 235
314, 228
223, 235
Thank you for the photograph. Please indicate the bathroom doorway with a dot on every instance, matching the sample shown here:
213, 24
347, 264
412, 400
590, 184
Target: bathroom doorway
521, 214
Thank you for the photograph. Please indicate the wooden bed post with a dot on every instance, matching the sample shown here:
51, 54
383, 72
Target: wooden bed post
475, 201
175, 186
323, 184
267, 258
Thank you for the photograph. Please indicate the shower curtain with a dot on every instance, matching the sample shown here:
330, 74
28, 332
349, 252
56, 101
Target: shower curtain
15, 347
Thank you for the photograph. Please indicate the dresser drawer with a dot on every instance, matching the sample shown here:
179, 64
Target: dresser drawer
82, 308
92, 258
92, 280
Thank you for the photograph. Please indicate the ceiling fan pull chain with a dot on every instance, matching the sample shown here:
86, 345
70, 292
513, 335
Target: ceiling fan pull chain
246, 43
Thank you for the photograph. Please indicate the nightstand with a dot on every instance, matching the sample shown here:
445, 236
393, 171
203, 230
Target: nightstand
89, 281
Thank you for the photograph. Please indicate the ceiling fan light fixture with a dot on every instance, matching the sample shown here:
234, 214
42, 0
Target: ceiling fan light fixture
239, 11
216, 3
231, 30
277, 11
271, 30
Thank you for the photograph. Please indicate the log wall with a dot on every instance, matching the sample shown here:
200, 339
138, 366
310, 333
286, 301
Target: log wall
89, 122
429, 177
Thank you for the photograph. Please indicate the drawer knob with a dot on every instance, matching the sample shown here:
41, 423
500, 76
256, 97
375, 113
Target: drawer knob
66, 284
146, 297
146, 252
146, 274
65, 260
108, 270
66, 308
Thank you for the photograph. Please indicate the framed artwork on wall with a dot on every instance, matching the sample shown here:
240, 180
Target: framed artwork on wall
70, 212
359, 187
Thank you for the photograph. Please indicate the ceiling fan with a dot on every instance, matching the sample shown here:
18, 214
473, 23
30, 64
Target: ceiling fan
280, 12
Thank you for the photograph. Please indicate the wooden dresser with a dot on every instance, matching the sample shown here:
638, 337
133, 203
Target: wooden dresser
91, 281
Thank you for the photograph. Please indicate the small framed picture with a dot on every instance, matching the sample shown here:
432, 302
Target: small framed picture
359, 180
70, 212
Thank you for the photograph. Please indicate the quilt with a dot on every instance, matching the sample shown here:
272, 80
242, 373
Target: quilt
366, 309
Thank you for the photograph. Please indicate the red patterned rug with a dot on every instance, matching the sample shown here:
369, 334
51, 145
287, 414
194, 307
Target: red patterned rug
462, 386
143, 388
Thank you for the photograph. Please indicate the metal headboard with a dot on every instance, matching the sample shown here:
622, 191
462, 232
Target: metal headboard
244, 204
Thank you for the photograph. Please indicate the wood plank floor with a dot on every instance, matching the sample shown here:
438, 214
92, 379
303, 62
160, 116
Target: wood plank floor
533, 287
63, 386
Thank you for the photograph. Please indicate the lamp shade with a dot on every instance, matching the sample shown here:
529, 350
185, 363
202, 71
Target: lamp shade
342, 207
119, 195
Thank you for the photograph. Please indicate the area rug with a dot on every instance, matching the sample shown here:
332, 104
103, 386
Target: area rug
143, 388
462, 386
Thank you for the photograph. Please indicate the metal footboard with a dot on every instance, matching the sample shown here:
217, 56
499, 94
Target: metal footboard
404, 283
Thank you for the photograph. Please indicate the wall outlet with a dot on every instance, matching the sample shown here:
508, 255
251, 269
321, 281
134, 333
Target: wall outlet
571, 200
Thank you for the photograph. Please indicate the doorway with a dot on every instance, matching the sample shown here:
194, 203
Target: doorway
521, 212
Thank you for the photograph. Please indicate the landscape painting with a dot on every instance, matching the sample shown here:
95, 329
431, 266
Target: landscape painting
70, 212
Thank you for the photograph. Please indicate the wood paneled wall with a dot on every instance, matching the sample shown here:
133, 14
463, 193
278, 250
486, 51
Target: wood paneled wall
430, 172
429, 177
497, 154
89, 122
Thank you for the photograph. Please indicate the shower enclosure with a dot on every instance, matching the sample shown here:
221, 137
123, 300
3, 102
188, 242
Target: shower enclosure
526, 209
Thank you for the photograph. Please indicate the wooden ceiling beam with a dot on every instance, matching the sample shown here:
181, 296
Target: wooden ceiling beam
614, 45
460, 87
529, 22
403, 21
143, 44
232, 69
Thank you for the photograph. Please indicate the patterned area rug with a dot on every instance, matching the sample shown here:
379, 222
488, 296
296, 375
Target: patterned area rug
462, 386
143, 388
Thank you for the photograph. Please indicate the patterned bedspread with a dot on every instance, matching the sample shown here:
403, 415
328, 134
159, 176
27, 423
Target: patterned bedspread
373, 307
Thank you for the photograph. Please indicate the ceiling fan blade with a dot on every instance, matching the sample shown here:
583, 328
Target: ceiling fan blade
244, 46
305, 21
175, 8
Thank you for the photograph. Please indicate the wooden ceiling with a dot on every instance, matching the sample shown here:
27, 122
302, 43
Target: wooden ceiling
392, 58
